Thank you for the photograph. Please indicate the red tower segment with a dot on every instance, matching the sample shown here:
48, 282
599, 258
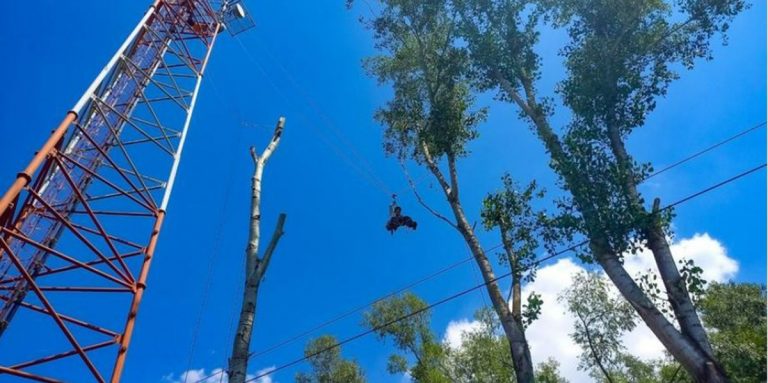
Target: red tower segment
79, 225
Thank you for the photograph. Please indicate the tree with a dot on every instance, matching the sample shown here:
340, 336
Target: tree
519, 226
255, 267
328, 366
601, 319
483, 355
430, 121
620, 58
735, 315
412, 336
549, 372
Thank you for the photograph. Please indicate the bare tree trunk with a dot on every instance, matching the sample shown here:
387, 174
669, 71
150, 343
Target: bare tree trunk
255, 268
699, 364
521, 355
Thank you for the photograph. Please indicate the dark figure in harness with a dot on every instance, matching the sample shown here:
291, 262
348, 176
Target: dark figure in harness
397, 219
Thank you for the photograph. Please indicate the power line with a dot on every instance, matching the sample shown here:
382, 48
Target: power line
362, 307
705, 150
358, 163
502, 276
362, 166
465, 260
494, 280
717, 185
364, 163
218, 236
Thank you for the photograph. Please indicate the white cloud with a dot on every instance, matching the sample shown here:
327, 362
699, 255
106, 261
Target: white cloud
548, 336
455, 330
705, 251
264, 379
217, 375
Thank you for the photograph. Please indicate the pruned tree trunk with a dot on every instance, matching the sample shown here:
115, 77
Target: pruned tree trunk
513, 329
678, 295
515, 291
686, 349
255, 267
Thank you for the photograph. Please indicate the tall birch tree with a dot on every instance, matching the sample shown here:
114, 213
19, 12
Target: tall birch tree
430, 120
622, 55
255, 266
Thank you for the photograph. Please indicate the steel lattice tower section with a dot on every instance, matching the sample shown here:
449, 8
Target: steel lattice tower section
79, 226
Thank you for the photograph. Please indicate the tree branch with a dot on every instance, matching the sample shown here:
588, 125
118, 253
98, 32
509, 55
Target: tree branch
421, 201
454, 177
592, 348
514, 286
674, 375
275, 140
264, 262
254, 156
509, 88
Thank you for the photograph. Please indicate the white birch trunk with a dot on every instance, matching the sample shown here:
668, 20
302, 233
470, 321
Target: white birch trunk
255, 268
513, 329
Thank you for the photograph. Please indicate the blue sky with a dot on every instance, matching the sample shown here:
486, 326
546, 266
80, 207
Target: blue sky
302, 61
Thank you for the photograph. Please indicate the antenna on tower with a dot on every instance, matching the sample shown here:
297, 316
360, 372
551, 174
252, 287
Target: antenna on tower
235, 18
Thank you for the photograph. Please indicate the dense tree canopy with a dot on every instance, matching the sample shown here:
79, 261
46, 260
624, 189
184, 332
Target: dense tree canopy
735, 314
620, 57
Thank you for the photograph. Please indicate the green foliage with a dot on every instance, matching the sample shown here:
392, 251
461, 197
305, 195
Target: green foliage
649, 283
510, 211
397, 364
532, 309
735, 314
634, 370
673, 372
501, 36
484, 355
691, 274
622, 53
600, 190
412, 336
621, 57
549, 372
431, 103
328, 366
601, 320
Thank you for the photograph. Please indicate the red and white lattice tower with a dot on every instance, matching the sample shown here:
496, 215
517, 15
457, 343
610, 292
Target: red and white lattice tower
79, 225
